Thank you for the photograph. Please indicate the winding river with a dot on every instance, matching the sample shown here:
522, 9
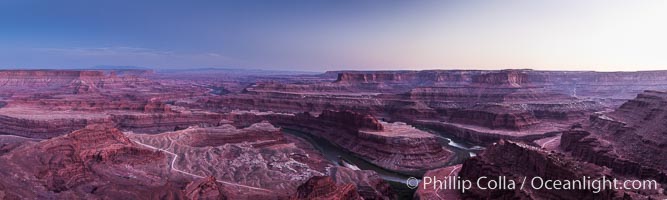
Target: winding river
397, 179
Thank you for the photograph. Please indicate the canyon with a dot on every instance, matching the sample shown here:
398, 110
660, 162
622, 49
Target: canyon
230, 134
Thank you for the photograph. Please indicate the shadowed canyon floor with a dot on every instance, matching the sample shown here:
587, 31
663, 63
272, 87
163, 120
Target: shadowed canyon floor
215, 134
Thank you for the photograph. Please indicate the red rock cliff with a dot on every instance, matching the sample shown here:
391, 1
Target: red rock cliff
626, 139
516, 160
351, 119
323, 187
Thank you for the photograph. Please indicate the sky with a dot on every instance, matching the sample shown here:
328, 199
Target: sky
320, 35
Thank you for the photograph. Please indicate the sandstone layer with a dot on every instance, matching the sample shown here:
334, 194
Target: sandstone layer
369, 184
96, 161
428, 192
623, 139
396, 146
259, 156
323, 187
515, 161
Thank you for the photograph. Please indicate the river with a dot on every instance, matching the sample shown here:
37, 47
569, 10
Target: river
397, 179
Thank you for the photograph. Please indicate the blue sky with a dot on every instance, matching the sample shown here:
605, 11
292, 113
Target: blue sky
323, 35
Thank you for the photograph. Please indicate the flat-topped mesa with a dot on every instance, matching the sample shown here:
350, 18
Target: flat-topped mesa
259, 135
426, 77
607, 78
70, 73
298, 90
51, 79
516, 161
613, 85
351, 119
508, 78
494, 117
606, 85
348, 77
513, 86
484, 94
395, 146
160, 122
50, 73
499, 78
93, 103
76, 81
39, 122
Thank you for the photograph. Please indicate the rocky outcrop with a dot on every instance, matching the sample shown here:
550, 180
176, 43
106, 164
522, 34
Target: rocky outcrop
624, 139
258, 156
160, 122
485, 136
428, 192
511, 86
413, 77
324, 187
95, 162
258, 138
566, 111
205, 189
44, 128
494, 117
99, 161
369, 184
505, 78
515, 161
351, 120
599, 152
78, 150
395, 146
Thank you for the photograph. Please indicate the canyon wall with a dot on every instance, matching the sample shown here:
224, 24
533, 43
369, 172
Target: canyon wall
97, 159
515, 160
395, 146
622, 139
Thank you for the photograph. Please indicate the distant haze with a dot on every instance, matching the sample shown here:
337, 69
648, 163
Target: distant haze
312, 35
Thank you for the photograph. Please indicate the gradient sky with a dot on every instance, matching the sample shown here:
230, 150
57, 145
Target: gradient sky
314, 35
